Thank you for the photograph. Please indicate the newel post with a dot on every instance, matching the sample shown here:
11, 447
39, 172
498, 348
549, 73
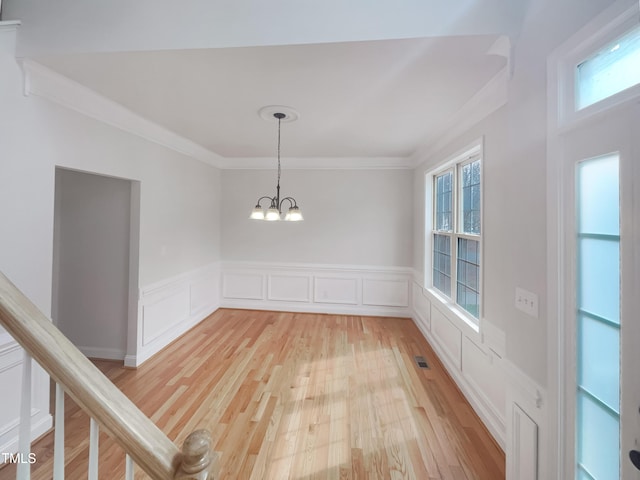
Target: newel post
197, 458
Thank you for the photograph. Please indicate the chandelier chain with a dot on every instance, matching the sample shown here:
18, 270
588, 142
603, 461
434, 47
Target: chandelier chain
279, 120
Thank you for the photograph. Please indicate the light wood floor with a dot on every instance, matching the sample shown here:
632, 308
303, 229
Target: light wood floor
299, 396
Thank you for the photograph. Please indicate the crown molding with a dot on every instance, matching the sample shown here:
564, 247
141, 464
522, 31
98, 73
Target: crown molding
9, 31
319, 163
44, 82
10, 24
486, 101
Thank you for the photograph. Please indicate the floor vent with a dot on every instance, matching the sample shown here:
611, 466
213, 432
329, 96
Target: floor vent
421, 362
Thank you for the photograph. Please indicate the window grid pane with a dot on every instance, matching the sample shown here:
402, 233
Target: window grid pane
470, 174
444, 202
442, 263
468, 276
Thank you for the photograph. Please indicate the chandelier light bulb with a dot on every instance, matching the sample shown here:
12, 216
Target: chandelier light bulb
294, 214
272, 214
257, 213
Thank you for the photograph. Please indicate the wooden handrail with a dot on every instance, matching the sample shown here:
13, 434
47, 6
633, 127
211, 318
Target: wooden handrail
92, 391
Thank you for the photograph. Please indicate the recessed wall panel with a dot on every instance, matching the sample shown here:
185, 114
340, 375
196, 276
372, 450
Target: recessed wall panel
248, 286
289, 288
162, 315
478, 368
336, 290
447, 335
386, 293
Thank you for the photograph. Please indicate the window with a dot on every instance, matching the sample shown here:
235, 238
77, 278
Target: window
598, 69
614, 68
456, 233
598, 317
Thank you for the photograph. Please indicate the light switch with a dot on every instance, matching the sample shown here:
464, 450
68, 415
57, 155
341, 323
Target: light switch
527, 302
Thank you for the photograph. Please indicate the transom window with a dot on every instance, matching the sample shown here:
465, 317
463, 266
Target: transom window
614, 68
456, 233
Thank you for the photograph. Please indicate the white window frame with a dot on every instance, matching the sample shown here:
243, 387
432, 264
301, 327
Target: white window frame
454, 163
564, 66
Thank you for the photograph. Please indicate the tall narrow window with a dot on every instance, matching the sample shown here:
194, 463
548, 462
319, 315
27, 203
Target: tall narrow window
598, 320
456, 233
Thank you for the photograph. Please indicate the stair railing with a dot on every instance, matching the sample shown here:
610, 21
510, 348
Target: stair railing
109, 409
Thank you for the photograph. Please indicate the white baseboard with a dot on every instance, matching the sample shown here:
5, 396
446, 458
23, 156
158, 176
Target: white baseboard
102, 353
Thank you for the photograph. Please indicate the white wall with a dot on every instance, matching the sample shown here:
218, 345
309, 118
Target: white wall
352, 217
92, 220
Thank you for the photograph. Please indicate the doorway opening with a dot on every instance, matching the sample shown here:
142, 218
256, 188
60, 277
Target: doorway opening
95, 262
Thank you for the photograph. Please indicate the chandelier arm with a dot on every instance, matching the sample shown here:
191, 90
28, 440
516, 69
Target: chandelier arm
271, 199
292, 202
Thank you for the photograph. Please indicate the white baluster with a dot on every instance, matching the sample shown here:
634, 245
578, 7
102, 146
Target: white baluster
94, 434
58, 439
23, 471
128, 465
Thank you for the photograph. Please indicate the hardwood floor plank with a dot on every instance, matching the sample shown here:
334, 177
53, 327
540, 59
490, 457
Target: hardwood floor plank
298, 396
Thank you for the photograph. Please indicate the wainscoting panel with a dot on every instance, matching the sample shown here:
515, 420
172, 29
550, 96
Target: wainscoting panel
160, 314
421, 306
339, 289
289, 288
11, 357
524, 447
169, 308
528, 427
447, 335
336, 290
249, 286
204, 290
386, 293
11, 364
480, 370
477, 370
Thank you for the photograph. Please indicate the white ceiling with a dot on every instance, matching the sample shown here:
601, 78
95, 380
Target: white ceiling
362, 89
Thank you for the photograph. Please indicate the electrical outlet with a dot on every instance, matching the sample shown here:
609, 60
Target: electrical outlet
527, 302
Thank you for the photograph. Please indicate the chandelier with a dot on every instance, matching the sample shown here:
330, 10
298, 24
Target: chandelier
274, 210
